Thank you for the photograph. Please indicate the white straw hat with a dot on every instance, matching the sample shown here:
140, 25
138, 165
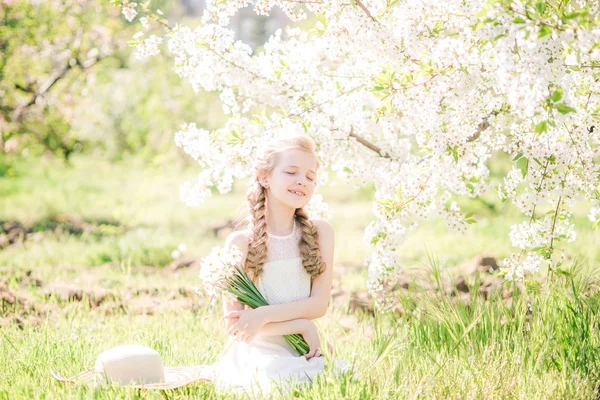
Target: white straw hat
138, 366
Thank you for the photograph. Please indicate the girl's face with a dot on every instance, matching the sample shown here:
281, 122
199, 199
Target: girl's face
294, 178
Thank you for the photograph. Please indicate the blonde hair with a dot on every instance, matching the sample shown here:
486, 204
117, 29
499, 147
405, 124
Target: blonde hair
257, 203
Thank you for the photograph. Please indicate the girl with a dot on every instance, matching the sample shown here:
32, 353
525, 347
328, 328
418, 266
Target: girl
290, 259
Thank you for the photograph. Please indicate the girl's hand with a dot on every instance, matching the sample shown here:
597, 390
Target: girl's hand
248, 325
229, 322
311, 336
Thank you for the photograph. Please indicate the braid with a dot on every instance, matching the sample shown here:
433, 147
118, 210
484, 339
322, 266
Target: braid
257, 241
309, 245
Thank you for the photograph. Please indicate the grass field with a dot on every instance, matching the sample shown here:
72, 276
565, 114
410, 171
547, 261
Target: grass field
87, 268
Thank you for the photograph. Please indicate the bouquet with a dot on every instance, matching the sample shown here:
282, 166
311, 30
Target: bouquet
222, 272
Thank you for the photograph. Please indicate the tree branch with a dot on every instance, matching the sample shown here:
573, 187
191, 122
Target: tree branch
54, 78
554, 224
366, 10
368, 144
483, 125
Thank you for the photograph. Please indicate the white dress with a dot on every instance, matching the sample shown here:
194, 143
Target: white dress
254, 367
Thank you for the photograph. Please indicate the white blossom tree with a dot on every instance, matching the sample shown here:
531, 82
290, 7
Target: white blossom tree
413, 96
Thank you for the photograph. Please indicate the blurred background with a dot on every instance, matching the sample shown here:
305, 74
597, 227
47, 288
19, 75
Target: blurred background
69, 84
86, 130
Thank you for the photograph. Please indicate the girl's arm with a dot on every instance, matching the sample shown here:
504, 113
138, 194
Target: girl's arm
285, 328
316, 305
270, 329
239, 239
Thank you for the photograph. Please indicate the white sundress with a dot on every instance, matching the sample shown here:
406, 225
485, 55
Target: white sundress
254, 367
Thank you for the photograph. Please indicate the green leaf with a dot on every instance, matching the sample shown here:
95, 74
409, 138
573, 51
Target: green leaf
381, 78
377, 237
399, 192
571, 15
562, 272
469, 215
532, 285
439, 26
483, 12
234, 137
453, 151
518, 156
540, 7
564, 109
523, 165
479, 25
544, 31
322, 19
557, 95
541, 127
306, 125
256, 120
518, 20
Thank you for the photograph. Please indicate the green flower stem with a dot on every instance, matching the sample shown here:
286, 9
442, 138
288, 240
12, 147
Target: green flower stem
241, 286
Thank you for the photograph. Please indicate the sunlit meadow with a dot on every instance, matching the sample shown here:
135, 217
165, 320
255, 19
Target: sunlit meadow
97, 249
94, 271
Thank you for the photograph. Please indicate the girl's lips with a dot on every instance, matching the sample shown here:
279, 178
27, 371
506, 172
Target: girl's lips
296, 194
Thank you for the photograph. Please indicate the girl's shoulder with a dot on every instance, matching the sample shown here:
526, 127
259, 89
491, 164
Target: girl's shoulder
323, 227
239, 239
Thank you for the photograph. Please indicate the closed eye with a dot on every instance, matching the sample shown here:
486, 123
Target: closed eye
293, 173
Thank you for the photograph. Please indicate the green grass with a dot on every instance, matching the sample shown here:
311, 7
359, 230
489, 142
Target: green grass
440, 350
437, 346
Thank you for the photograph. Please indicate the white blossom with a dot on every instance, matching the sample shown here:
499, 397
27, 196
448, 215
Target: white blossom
415, 104
129, 11
217, 267
594, 214
148, 47
517, 266
317, 208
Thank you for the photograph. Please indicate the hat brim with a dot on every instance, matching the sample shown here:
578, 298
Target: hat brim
174, 377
